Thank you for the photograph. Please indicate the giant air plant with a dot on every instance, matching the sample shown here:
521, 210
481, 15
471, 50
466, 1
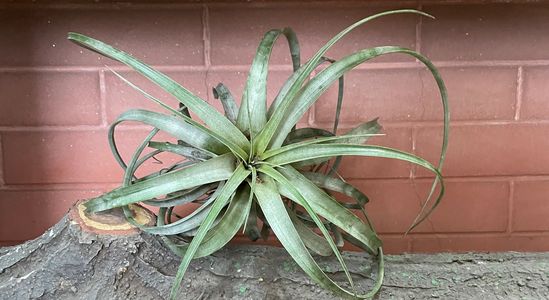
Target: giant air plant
251, 167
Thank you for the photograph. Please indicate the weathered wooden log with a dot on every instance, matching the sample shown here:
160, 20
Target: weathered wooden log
79, 259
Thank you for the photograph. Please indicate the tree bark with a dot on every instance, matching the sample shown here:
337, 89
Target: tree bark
70, 261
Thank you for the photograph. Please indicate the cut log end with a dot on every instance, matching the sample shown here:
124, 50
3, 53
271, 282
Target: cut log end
112, 221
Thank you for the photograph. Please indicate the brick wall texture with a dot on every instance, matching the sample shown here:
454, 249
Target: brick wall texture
57, 100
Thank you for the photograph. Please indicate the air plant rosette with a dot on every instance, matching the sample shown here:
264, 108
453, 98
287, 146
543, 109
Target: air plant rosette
251, 167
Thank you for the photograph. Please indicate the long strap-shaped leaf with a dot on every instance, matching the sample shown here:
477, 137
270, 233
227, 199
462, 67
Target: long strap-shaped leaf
201, 108
330, 150
264, 138
306, 133
288, 84
173, 126
190, 153
187, 223
230, 107
227, 227
184, 114
270, 201
320, 140
320, 83
253, 107
311, 239
183, 197
229, 223
337, 185
297, 197
330, 209
216, 169
230, 187
368, 127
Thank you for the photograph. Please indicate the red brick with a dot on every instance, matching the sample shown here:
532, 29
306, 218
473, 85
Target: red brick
33, 212
391, 245
484, 150
57, 157
411, 95
393, 94
476, 93
535, 103
480, 243
50, 98
1, 163
531, 206
395, 245
371, 167
40, 35
121, 97
486, 32
69, 157
466, 206
236, 81
236, 32
10, 243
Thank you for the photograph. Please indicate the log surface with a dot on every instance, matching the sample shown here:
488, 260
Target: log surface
68, 263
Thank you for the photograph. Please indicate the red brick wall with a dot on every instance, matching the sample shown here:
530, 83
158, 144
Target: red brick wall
57, 100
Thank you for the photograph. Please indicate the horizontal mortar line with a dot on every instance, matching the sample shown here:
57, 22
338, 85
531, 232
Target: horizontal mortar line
100, 6
124, 127
280, 67
213, 4
391, 125
119, 68
491, 63
419, 123
529, 233
245, 68
60, 186
53, 128
480, 178
474, 2
494, 178
412, 64
308, 4
355, 3
467, 234
100, 185
288, 67
442, 233
123, 68
74, 128
491, 177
